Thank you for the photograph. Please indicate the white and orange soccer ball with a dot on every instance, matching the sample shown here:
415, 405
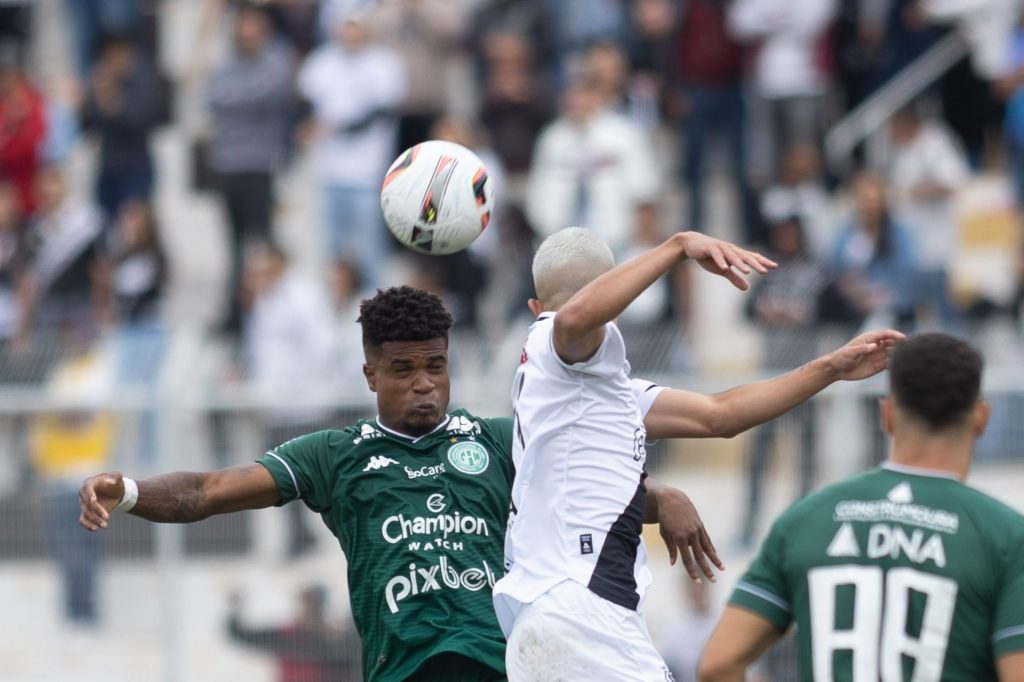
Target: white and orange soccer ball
437, 197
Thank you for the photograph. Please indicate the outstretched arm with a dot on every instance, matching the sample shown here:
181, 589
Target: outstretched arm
682, 529
181, 497
683, 414
579, 324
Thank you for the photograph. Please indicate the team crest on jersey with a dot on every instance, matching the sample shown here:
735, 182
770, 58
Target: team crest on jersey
469, 457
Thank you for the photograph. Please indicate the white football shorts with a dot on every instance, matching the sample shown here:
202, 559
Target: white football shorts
570, 634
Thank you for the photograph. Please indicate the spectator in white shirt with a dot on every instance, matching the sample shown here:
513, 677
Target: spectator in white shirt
788, 79
591, 167
344, 284
289, 343
289, 338
354, 87
800, 191
425, 34
926, 169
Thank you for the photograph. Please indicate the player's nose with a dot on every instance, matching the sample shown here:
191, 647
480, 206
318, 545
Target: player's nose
422, 383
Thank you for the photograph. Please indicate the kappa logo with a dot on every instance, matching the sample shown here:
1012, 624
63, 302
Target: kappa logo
469, 457
367, 432
379, 462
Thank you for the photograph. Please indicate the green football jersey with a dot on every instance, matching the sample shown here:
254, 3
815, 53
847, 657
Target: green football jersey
422, 522
897, 574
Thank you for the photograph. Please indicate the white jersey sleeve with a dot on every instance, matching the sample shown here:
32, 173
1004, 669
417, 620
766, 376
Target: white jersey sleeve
646, 393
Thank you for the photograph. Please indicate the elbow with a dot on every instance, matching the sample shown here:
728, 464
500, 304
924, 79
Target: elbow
724, 426
726, 418
727, 431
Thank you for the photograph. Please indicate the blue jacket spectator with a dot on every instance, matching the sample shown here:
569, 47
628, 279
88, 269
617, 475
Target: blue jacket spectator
875, 255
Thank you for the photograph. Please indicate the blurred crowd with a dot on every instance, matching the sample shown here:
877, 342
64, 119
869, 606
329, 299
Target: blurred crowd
590, 112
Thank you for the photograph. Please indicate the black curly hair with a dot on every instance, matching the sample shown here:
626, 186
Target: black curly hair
403, 314
936, 378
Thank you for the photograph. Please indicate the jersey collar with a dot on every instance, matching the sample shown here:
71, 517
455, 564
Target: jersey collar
413, 439
919, 471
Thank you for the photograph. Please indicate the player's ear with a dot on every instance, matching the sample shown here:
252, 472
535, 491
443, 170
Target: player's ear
885, 410
371, 376
536, 307
980, 418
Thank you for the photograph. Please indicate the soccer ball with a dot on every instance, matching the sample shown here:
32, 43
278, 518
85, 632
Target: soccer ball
437, 197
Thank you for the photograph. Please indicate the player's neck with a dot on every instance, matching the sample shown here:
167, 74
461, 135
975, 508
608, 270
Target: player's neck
946, 453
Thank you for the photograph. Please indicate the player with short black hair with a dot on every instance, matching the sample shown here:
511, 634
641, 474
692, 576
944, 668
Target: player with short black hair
937, 398
418, 498
902, 573
403, 314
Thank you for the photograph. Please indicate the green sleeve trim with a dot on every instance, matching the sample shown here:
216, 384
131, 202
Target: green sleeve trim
284, 477
771, 607
1008, 640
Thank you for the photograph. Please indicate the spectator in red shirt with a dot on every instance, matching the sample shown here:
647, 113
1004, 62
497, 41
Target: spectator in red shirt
710, 75
22, 129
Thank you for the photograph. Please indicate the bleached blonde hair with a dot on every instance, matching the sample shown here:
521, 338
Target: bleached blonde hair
566, 262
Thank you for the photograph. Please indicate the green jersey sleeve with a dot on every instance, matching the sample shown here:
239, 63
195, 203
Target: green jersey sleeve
763, 589
1008, 627
299, 468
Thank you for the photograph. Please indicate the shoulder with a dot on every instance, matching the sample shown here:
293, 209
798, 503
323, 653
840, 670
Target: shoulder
991, 513
498, 430
465, 422
323, 443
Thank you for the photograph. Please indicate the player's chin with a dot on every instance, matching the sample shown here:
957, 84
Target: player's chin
424, 416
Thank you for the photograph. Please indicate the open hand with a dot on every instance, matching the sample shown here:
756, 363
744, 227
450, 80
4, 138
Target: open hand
866, 355
683, 532
725, 259
98, 496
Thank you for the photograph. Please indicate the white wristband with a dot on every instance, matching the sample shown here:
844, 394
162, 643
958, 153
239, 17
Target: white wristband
130, 497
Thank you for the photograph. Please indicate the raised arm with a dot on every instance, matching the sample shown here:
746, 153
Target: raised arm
579, 324
684, 414
180, 497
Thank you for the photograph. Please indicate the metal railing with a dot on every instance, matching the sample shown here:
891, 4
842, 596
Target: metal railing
871, 114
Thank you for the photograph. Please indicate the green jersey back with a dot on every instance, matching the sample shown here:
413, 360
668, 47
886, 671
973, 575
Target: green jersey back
897, 574
422, 522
